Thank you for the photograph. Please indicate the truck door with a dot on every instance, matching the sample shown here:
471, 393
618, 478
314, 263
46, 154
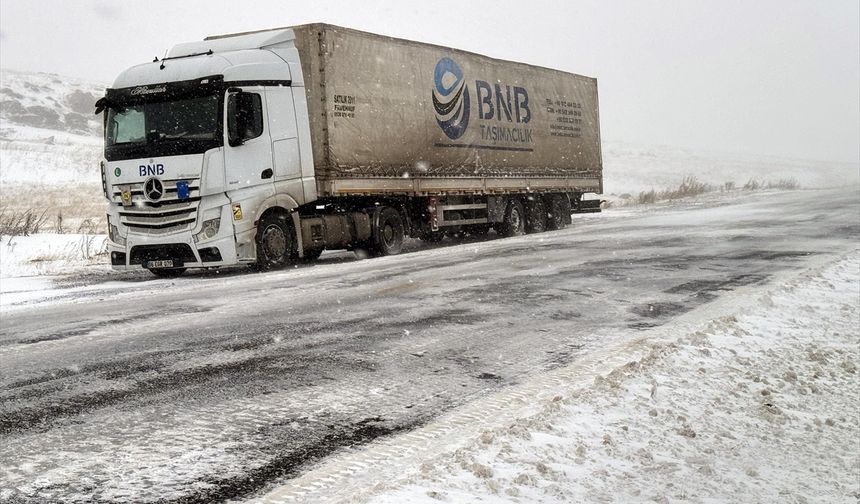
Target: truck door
287, 161
248, 153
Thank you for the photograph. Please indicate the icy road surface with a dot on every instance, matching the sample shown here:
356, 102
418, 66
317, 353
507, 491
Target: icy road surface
215, 387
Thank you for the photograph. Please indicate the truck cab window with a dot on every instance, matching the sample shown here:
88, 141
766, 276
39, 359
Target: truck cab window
244, 117
146, 128
127, 126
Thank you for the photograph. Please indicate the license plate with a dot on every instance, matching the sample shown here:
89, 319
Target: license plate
159, 264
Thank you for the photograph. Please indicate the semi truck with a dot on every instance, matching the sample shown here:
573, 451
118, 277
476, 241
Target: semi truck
267, 148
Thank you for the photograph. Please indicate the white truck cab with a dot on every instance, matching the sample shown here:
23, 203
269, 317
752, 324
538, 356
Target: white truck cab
198, 146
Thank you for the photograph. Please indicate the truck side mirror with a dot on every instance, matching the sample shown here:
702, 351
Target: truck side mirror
244, 117
234, 139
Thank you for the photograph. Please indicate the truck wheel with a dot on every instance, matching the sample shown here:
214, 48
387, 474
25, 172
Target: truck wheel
387, 232
535, 216
514, 221
555, 217
167, 273
274, 242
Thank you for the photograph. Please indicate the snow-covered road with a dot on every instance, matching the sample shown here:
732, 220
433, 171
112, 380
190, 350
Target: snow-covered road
211, 387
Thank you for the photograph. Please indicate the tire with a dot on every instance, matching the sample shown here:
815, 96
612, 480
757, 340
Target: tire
555, 213
167, 273
535, 215
274, 242
514, 221
387, 238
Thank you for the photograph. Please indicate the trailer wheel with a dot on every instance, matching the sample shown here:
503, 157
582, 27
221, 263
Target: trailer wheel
555, 218
387, 232
274, 242
167, 273
514, 221
535, 215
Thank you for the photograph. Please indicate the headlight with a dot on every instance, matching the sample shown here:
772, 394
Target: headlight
113, 234
209, 230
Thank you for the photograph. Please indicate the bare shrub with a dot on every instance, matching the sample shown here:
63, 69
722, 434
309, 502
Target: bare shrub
67, 207
88, 226
690, 186
752, 185
23, 223
646, 197
789, 183
88, 249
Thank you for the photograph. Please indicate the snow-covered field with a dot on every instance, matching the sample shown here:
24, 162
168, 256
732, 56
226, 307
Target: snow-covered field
630, 168
51, 254
757, 404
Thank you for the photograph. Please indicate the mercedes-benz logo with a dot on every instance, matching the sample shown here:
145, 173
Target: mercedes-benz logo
153, 189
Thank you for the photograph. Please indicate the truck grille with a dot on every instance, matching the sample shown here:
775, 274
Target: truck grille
168, 215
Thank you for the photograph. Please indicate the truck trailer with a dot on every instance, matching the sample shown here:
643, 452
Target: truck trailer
266, 148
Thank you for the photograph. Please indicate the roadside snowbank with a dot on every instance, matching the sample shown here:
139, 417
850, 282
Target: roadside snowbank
757, 401
758, 407
50, 254
30, 265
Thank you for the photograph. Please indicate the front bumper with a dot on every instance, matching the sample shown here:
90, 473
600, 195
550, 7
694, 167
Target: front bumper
140, 250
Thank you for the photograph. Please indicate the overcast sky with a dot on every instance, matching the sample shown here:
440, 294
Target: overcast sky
778, 77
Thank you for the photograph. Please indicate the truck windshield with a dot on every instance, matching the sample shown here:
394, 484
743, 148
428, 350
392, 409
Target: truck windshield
182, 126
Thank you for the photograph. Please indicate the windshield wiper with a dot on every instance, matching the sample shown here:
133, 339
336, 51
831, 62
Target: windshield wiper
161, 67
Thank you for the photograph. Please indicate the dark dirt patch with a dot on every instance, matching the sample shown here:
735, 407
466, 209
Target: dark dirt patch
658, 310
701, 287
113, 369
82, 331
565, 315
42, 416
288, 458
770, 255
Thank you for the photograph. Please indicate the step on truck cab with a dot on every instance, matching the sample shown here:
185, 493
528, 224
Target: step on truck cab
266, 148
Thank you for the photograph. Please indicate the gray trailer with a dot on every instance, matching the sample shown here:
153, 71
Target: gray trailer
328, 137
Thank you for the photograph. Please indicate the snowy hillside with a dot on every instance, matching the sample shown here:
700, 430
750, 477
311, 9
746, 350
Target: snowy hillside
49, 101
48, 132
